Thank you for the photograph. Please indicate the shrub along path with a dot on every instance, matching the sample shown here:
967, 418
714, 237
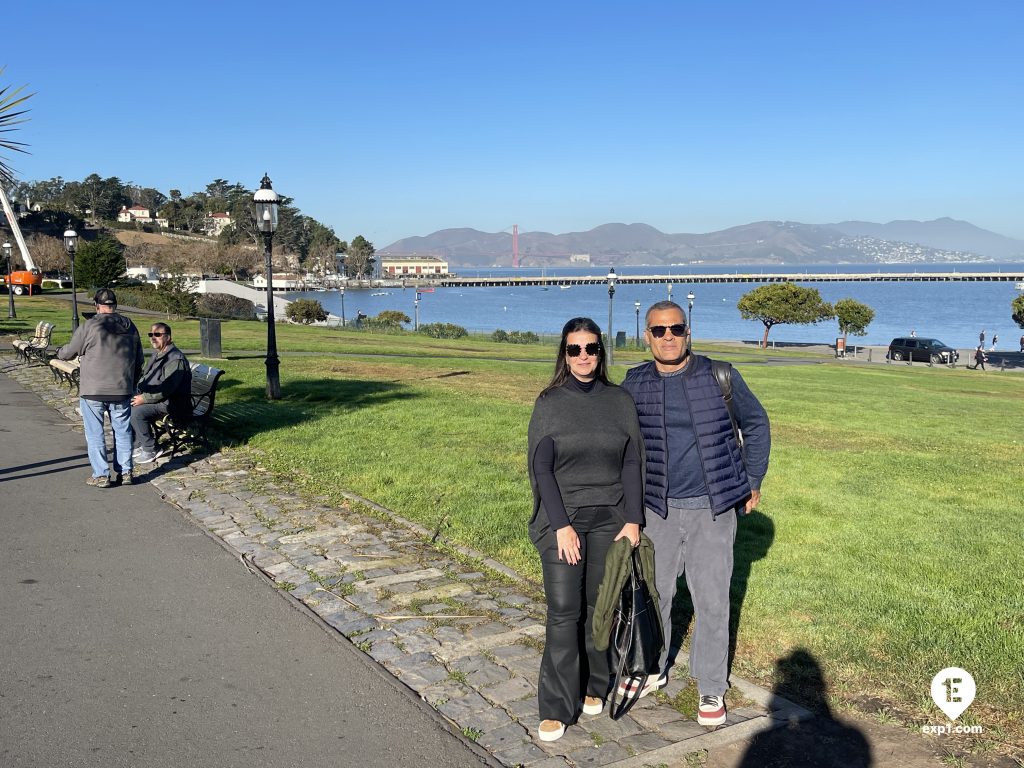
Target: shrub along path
465, 633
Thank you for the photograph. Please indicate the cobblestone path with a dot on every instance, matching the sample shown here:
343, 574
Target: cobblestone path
463, 632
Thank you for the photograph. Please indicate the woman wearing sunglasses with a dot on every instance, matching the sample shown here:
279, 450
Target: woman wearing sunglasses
585, 467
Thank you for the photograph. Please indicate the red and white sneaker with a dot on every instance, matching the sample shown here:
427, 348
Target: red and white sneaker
711, 710
653, 683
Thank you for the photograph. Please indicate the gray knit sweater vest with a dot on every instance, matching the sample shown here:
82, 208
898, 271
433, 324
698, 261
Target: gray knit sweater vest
591, 431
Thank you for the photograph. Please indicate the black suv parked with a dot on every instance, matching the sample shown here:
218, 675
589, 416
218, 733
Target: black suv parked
922, 350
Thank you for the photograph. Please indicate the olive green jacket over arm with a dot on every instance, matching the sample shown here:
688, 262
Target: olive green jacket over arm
616, 571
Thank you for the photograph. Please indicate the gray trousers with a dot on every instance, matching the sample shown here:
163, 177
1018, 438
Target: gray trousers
692, 543
143, 418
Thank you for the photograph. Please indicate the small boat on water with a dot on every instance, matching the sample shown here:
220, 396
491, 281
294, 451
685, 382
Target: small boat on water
565, 287
381, 293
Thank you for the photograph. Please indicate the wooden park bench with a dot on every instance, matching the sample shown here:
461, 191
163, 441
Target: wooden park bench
23, 341
36, 345
66, 372
173, 436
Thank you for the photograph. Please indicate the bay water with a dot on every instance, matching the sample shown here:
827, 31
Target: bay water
954, 312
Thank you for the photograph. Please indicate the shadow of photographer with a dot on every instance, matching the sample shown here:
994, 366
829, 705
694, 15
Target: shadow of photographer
819, 742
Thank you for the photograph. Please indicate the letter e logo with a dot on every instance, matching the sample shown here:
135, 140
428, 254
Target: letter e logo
953, 691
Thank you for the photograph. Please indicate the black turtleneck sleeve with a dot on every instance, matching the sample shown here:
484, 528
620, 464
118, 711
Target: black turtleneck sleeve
633, 484
547, 486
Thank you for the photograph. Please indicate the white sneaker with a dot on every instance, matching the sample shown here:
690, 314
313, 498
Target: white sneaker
627, 689
711, 710
550, 730
145, 457
592, 705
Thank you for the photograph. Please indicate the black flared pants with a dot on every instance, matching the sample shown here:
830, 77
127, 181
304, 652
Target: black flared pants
570, 664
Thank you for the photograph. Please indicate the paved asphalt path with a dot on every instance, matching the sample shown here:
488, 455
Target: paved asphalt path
128, 637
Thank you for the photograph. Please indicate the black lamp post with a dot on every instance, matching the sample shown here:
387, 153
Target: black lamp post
267, 201
689, 319
341, 290
611, 334
70, 244
10, 287
636, 305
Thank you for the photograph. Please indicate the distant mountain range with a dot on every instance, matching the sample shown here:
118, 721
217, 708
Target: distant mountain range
762, 242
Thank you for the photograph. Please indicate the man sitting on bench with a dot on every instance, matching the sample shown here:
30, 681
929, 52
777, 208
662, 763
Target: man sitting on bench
165, 388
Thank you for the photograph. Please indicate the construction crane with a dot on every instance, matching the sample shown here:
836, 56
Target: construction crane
29, 279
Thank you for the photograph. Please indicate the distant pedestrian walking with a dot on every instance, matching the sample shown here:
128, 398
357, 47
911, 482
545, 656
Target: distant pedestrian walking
979, 357
995, 340
981, 337
1022, 344
913, 333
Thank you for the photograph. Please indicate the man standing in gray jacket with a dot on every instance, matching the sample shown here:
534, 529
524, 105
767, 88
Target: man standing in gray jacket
110, 353
165, 388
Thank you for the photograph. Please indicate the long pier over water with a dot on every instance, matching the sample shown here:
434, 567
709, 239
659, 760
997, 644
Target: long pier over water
749, 277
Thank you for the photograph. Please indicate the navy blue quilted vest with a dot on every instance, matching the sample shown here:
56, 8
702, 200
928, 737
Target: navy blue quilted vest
724, 474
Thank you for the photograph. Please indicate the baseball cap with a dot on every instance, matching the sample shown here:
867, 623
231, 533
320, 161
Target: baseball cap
106, 297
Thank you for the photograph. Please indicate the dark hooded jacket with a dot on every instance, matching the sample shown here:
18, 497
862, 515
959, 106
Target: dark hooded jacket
110, 351
168, 378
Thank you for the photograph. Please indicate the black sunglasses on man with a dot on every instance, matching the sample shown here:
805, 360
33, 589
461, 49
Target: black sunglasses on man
658, 331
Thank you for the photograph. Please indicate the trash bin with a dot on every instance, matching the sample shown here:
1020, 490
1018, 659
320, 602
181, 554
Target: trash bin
209, 337
620, 340
840, 347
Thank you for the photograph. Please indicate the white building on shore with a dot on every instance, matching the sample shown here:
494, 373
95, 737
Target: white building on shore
282, 282
412, 266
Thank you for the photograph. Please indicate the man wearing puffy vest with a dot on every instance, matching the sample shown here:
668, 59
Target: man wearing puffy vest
701, 473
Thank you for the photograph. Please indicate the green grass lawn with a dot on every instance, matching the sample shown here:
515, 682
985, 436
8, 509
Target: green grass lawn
888, 542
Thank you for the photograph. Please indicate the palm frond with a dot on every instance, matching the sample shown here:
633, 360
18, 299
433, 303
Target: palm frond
9, 118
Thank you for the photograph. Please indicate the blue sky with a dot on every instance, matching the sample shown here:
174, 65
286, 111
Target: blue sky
392, 119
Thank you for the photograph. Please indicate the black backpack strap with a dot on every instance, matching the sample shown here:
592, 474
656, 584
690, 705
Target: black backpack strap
723, 373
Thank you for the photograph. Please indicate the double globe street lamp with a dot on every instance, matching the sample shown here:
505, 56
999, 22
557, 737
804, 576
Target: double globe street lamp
70, 245
10, 285
267, 201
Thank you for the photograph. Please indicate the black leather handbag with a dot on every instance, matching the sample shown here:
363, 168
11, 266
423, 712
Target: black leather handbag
637, 638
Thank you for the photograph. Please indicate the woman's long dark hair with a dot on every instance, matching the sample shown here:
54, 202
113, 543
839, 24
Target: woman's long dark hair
562, 372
